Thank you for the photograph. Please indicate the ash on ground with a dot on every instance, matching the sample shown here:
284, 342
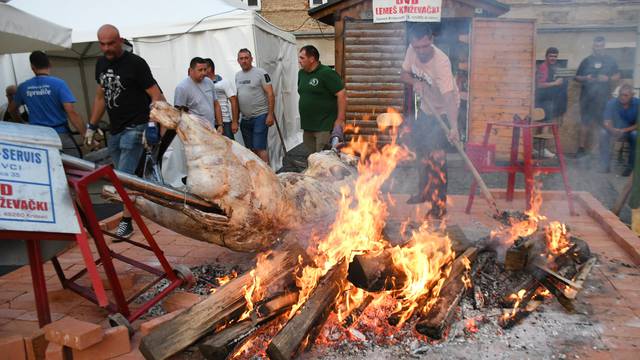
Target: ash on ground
208, 277
548, 333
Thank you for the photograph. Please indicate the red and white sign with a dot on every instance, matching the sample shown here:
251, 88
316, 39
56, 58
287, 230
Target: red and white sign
34, 195
406, 10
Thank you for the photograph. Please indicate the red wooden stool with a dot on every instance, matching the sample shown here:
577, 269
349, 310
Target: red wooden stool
529, 167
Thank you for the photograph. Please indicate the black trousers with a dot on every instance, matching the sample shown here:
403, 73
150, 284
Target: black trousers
429, 141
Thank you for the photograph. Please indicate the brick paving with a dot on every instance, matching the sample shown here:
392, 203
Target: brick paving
615, 308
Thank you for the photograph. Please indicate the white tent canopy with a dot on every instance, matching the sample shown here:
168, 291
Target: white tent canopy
167, 34
21, 32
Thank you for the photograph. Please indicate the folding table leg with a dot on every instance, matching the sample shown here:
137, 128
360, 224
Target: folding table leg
563, 168
472, 195
39, 283
528, 169
513, 162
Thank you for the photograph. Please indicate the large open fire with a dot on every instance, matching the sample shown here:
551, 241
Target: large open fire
422, 264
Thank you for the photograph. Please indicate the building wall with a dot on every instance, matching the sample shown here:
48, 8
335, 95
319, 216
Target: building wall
291, 15
570, 25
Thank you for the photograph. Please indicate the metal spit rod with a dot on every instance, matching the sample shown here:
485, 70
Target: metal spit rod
136, 183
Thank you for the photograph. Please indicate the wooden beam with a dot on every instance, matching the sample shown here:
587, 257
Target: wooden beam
582, 275
178, 333
437, 320
312, 314
622, 198
221, 345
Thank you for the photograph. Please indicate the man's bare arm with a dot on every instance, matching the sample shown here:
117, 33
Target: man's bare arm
451, 108
342, 107
235, 113
271, 115
218, 112
408, 78
98, 107
75, 118
155, 94
12, 109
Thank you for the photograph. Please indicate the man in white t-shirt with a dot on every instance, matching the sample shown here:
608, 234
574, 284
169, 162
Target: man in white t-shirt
226, 96
428, 70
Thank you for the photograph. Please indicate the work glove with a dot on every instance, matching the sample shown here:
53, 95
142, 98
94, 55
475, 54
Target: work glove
90, 134
151, 135
338, 132
337, 136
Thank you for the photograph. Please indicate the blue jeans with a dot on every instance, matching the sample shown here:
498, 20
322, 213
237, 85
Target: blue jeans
254, 132
605, 147
126, 148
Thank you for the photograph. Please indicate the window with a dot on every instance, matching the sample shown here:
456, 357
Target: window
252, 4
314, 3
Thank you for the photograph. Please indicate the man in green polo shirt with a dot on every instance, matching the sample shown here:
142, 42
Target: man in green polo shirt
323, 100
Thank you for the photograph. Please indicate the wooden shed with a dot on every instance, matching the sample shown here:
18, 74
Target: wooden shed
493, 61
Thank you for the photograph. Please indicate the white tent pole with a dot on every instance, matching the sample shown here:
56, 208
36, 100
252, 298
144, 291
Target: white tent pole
83, 81
13, 69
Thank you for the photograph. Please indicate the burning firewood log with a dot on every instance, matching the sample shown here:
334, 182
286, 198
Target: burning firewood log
221, 344
580, 277
522, 252
355, 314
311, 316
219, 308
376, 272
434, 322
457, 269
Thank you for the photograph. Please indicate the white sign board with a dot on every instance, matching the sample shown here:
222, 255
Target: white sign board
34, 195
406, 10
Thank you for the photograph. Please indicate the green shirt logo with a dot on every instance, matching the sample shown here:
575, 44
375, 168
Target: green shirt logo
314, 82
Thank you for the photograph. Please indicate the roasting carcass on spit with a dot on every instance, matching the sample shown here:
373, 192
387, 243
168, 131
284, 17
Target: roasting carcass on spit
255, 204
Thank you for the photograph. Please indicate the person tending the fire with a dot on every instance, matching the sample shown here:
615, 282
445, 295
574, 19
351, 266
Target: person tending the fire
428, 70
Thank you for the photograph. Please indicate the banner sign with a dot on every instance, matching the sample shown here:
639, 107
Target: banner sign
406, 10
34, 195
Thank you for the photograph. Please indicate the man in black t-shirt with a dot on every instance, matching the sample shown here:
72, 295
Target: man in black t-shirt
597, 73
125, 89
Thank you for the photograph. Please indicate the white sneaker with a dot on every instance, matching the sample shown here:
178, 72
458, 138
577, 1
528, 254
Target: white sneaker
547, 154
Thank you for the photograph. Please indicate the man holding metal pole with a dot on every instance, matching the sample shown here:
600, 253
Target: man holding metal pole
428, 70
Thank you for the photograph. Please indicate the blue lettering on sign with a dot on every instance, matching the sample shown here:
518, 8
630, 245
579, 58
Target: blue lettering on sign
21, 155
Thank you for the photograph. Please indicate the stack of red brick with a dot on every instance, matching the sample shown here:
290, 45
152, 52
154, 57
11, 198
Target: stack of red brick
68, 338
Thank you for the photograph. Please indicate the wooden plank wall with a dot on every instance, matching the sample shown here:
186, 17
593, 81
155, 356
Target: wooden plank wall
373, 55
502, 77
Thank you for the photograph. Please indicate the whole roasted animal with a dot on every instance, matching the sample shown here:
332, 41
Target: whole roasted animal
253, 205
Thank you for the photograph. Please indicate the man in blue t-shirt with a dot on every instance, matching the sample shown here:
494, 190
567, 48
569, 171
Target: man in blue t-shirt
620, 122
49, 102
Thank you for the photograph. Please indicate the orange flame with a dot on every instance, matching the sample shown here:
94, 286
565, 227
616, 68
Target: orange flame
225, 279
360, 218
425, 261
254, 292
507, 236
466, 277
556, 236
518, 298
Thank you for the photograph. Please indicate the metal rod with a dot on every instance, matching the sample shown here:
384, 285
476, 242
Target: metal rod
476, 175
136, 183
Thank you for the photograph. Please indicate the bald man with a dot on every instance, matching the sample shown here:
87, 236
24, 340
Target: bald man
125, 89
10, 92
